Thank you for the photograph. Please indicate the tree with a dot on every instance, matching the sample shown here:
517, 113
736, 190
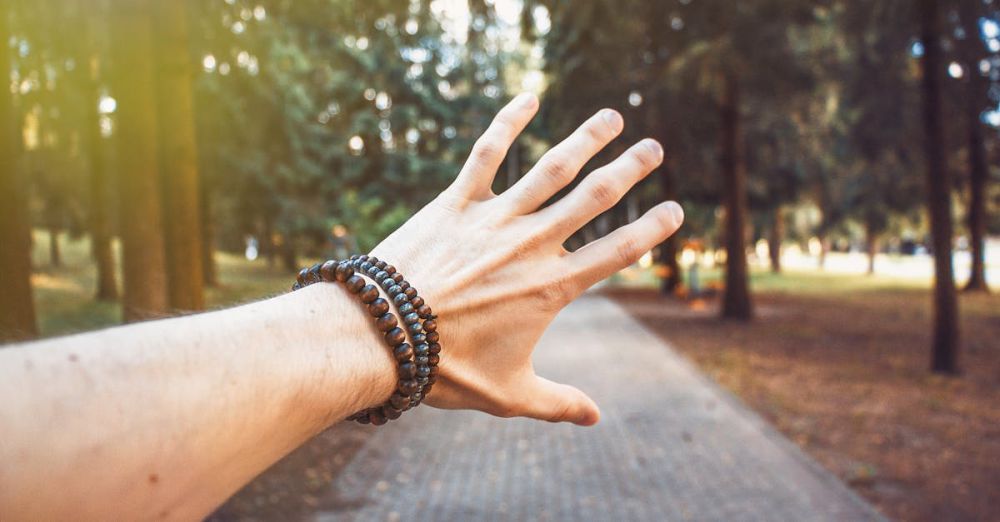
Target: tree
971, 51
178, 159
736, 302
17, 309
945, 326
143, 260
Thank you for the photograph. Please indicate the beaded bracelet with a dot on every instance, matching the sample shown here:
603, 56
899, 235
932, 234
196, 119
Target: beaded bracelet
417, 368
420, 321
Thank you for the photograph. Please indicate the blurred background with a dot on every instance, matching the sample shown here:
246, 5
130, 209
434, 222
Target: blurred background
837, 161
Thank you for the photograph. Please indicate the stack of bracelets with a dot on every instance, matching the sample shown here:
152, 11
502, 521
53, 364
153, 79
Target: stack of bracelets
417, 363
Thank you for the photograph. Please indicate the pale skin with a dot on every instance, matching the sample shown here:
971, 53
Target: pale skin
166, 419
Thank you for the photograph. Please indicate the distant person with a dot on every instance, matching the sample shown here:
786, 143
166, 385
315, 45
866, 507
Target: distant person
168, 418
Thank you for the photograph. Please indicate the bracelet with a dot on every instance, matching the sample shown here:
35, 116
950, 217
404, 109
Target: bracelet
417, 365
420, 321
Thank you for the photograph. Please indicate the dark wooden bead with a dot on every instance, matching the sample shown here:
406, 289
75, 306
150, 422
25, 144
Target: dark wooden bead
386, 322
403, 352
414, 328
424, 311
433, 337
435, 348
377, 417
421, 360
434, 371
411, 318
423, 381
381, 275
397, 277
362, 258
417, 397
406, 309
408, 386
417, 301
354, 284
364, 419
421, 349
372, 271
433, 359
296, 286
390, 412
303, 276
314, 274
399, 401
399, 299
386, 283
407, 370
368, 294
430, 325
365, 266
395, 290
431, 379
354, 256
410, 292
380, 264
378, 307
356, 264
343, 272
423, 371
404, 285
327, 270
418, 338
395, 336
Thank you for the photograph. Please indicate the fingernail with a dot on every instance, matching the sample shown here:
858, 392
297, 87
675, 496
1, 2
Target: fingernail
613, 119
655, 147
676, 211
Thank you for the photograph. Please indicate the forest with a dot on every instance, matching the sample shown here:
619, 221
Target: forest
182, 129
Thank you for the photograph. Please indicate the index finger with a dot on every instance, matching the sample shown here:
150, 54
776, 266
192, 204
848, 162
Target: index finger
476, 177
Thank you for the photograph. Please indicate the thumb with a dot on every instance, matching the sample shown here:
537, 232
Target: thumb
556, 402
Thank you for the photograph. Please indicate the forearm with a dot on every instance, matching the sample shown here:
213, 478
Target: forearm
170, 417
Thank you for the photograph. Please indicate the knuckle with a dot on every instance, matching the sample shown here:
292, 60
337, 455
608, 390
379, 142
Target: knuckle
628, 251
557, 293
603, 194
598, 131
664, 219
557, 169
486, 149
645, 157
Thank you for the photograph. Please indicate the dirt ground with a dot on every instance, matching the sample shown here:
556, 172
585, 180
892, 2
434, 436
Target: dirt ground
845, 375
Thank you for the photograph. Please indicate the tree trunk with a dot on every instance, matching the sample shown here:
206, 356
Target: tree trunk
775, 238
871, 246
978, 176
91, 59
288, 257
736, 297
178, 158
100, 225
55, 254
673, 278
209, 269
945, 335
17, 309
143, 260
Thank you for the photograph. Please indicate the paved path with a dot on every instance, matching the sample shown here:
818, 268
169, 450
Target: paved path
671, 445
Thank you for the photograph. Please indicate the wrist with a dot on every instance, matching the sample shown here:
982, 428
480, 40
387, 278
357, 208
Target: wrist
351, 367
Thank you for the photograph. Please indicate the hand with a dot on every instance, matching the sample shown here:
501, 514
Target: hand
494, 270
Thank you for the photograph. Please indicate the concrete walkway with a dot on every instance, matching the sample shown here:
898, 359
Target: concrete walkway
671, 445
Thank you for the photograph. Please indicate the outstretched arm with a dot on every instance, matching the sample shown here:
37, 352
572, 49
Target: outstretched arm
168, 418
